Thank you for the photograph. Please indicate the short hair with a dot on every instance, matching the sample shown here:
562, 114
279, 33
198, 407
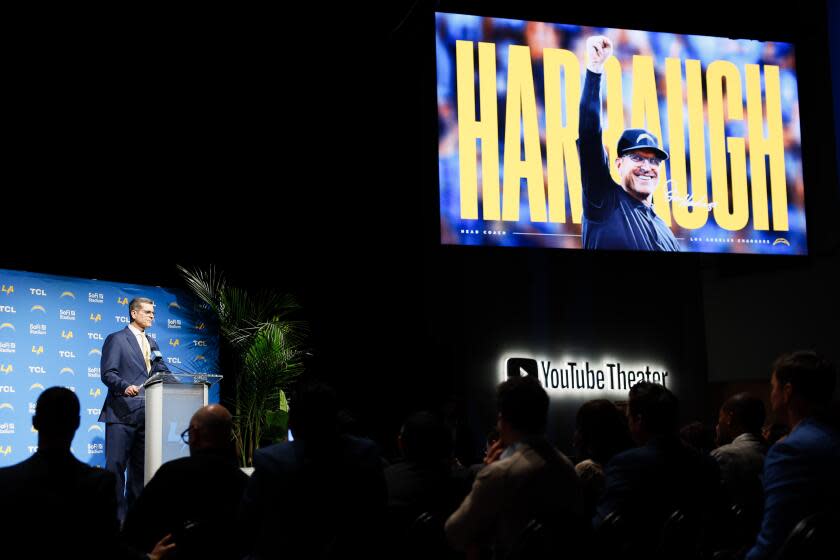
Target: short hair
137, 302
658, 408
811, 376
57, 412
602, 430
313, 411
523, 403
748, 411
698, 436
426, 438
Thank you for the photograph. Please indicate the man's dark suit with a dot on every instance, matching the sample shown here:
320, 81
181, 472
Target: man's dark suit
646, 484
204, 490
320, 501
122, 365
55, 506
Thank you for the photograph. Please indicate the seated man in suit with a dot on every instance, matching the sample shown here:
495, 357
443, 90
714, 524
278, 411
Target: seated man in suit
427, 480
194, 498
645, 485
528, 480
56, 506
800, 471
741, 456
322, 495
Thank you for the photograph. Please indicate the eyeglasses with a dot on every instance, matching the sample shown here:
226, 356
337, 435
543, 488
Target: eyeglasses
636, 158
185, 436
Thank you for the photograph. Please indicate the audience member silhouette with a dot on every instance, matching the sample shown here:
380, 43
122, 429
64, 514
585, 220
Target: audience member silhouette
699, 437
601, 432
647, 484
194, 498
800, 471
56, 506
529, 479
425, 481
322, 495
740, 456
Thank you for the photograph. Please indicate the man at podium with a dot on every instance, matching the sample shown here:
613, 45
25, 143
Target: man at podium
129, 357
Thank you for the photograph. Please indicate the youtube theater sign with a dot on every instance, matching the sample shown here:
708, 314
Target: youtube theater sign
582, 376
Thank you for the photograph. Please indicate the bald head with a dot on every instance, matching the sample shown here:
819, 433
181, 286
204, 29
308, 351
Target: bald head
211, 428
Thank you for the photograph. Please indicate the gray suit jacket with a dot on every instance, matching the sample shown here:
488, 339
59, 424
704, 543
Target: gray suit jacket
509, 493
741, 465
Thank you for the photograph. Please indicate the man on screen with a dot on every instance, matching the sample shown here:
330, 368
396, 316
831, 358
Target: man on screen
129, 357
617, 216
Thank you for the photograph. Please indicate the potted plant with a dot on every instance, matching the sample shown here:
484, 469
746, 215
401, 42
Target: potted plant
262, 349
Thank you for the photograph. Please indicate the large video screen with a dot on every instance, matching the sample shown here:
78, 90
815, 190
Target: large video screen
564, 136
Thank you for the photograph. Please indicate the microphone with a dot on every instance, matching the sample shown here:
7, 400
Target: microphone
157, 357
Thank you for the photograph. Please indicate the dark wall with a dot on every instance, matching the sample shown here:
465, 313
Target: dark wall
833, 24
754, 315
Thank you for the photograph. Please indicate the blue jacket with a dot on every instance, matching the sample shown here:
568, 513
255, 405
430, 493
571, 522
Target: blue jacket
647, 483
122, 365
800, 478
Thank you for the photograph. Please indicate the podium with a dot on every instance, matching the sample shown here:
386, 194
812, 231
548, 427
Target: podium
171, 400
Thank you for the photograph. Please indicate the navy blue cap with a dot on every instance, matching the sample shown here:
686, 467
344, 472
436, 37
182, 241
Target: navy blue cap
640, 139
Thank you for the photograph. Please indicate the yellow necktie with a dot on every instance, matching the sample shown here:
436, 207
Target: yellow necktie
146, 353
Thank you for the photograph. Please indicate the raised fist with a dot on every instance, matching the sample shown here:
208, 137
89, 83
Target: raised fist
598, 50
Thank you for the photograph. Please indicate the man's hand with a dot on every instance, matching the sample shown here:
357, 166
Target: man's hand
132, 391
598, 50
494, 452
162, 548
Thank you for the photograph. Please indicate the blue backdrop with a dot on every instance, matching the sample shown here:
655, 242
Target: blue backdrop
51, 333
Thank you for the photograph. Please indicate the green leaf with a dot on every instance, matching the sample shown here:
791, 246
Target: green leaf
265, 344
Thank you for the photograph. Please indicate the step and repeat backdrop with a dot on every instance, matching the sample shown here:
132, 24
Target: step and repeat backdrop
51, 333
